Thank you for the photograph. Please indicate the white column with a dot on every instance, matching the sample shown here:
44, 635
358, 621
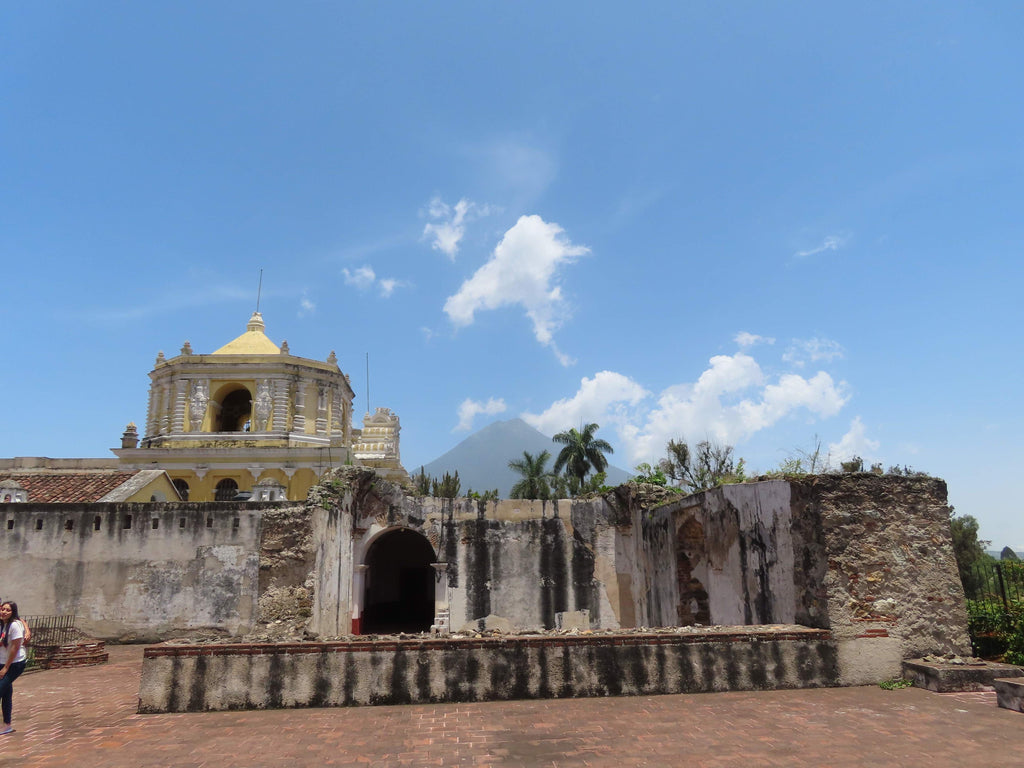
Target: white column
321, 409
178, 417
442, 610
299, 422
280, 417
358, 584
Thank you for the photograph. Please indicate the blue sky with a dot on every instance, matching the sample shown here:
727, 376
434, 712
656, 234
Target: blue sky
751, 223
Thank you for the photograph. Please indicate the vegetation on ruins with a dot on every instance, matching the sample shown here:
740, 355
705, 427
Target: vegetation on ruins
422, 483
536, 478
581, 452
895, 684
707, 465
648, 475
968, 549
447, 487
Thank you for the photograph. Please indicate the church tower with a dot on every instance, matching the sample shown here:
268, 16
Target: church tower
249, 416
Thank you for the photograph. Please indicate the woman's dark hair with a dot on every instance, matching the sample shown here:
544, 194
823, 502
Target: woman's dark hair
14, 616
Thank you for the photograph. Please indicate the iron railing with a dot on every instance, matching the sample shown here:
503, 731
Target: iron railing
48, 631
995, 601
51, 630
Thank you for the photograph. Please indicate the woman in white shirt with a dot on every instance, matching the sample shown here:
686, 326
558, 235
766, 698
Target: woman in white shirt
12, 659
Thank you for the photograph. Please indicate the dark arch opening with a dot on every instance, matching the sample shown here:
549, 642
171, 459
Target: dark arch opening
227, 489
236, 412
399, 593
182, 488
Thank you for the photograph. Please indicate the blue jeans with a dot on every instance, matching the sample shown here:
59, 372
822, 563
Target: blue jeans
7, 689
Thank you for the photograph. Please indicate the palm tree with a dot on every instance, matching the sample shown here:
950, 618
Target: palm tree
581, 452
534, 484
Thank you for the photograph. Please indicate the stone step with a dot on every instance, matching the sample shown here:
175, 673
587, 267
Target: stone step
1010, 693
961, 675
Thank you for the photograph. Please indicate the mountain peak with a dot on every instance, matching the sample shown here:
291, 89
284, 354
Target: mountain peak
482, 458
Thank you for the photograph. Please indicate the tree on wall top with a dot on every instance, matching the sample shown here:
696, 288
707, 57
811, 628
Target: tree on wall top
535, 482
580, 453
706, 466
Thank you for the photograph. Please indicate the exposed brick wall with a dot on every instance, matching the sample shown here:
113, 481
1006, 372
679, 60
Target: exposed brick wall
70, 655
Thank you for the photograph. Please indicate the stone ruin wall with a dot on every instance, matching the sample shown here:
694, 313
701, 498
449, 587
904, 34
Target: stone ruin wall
891, 583
134, 572
868, 558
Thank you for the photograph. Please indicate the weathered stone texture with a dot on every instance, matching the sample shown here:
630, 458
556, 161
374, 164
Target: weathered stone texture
190, 679
868, 558
892, 579
135, 571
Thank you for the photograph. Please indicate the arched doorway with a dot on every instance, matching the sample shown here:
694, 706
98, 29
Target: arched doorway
399, 592
236, 412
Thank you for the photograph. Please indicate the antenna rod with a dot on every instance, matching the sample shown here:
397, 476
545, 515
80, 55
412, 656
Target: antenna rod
367, 382
259, 290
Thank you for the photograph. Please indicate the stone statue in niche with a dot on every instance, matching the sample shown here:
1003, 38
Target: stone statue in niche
263, 405
197, 404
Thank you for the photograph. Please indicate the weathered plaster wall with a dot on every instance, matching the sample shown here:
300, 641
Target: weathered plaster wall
198, 678
868, 558
510, 563
133, 571
725, 556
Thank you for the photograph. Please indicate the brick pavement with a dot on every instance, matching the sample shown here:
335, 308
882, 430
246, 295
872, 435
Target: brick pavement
86, 717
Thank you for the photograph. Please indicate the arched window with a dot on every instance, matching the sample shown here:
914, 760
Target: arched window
183, 488
236, 411
227, 489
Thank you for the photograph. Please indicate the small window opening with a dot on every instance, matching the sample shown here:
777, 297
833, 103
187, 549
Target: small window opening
209, 522
156, 523
96, 522
69, 525
10, 525
39, 524
181, 522
127, 522
235, 523
226, 490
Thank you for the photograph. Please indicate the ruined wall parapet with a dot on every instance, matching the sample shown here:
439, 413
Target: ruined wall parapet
891, 574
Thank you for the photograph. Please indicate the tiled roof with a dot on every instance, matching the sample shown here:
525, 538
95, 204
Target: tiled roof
66, 487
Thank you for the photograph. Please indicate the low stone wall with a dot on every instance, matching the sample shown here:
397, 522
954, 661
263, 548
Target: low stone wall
257, 676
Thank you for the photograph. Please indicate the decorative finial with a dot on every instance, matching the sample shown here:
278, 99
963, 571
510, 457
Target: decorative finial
160, 357
284, 347
255, 323
332, 358
130, 438
186, 348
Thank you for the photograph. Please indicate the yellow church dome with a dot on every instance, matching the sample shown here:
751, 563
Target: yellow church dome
253, 342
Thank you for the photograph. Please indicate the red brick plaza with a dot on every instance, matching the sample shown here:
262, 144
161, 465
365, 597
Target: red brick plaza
86, 717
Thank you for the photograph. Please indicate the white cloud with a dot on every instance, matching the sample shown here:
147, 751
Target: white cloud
745, 339
523, 270
802, 351
364, 278
306, 307
469, 409
597, 399
854, 443
730, 401
450, 224
830, 243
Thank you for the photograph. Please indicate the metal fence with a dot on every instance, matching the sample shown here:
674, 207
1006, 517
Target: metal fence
998, 583
51, 630
48, 631
995, 600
